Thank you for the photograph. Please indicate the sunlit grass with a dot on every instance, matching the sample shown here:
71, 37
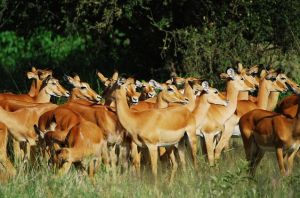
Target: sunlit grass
227, 179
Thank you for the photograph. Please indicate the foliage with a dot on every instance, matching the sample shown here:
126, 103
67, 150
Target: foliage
150, 38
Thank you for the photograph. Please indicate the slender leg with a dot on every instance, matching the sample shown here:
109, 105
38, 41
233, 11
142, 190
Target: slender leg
18, 153
279, 155
92, 165
153, 155
64, 169
209, 141
174, 164
225, 136
258, 157
123, 156
290, 161
105, 155
3, 151
113, 159
181, 148
136, 158
193, 143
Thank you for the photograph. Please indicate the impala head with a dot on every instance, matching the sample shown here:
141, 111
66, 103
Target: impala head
38, 74
178, 81
212, 95
60, 156
172, 95
147, 89
53, 87
249, 74
293, 86
131, 93
237, 80
82, 90
285, 82
195, 85
106, 81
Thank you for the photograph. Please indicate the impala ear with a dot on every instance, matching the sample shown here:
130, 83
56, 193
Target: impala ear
170, 81
170, 88
30, 75
231, 73
224, 76
263, 73
47, 79
33, 69
121, 81
138, 84
240, 68
102, 77
115, 76
205, 86
76, 78
253, 70
155, 84
271, 75
72, 81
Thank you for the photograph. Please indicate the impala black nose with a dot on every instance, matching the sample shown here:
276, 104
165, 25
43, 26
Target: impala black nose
98, 98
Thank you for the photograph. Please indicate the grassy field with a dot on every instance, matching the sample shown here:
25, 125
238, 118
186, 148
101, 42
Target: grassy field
227, 179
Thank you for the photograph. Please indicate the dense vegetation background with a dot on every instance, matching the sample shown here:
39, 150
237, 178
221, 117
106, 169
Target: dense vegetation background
146, 38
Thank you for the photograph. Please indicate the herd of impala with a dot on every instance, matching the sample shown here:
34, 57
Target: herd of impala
163, 118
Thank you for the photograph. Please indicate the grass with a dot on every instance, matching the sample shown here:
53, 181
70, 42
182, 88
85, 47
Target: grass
227, 179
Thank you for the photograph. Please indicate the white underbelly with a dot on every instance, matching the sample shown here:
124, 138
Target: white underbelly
167, 138
236, 131
203, 133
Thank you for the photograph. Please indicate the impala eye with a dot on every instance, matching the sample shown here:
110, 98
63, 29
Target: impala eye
216, 92
283, 78
82, 87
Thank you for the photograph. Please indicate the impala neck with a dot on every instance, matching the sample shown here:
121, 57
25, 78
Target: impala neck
273, 99
243, 95
35, 87
160, 102
232, 94
40, 109
263, 95
124, 114
201, 109
42, 97
189, 93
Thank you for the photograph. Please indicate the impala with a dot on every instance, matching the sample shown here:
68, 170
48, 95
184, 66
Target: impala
269, 83
161, 127
217, 116
132, 94
38, 76
82, 90
148, 89
264, 130
50, 87
81, 139
166, 96
4, 160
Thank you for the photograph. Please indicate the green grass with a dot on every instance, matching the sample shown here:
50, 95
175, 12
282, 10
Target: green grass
227, 179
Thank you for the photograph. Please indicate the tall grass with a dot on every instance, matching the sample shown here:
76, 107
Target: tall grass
227, 179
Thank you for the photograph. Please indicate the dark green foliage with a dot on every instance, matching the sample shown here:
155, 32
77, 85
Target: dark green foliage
148, 38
